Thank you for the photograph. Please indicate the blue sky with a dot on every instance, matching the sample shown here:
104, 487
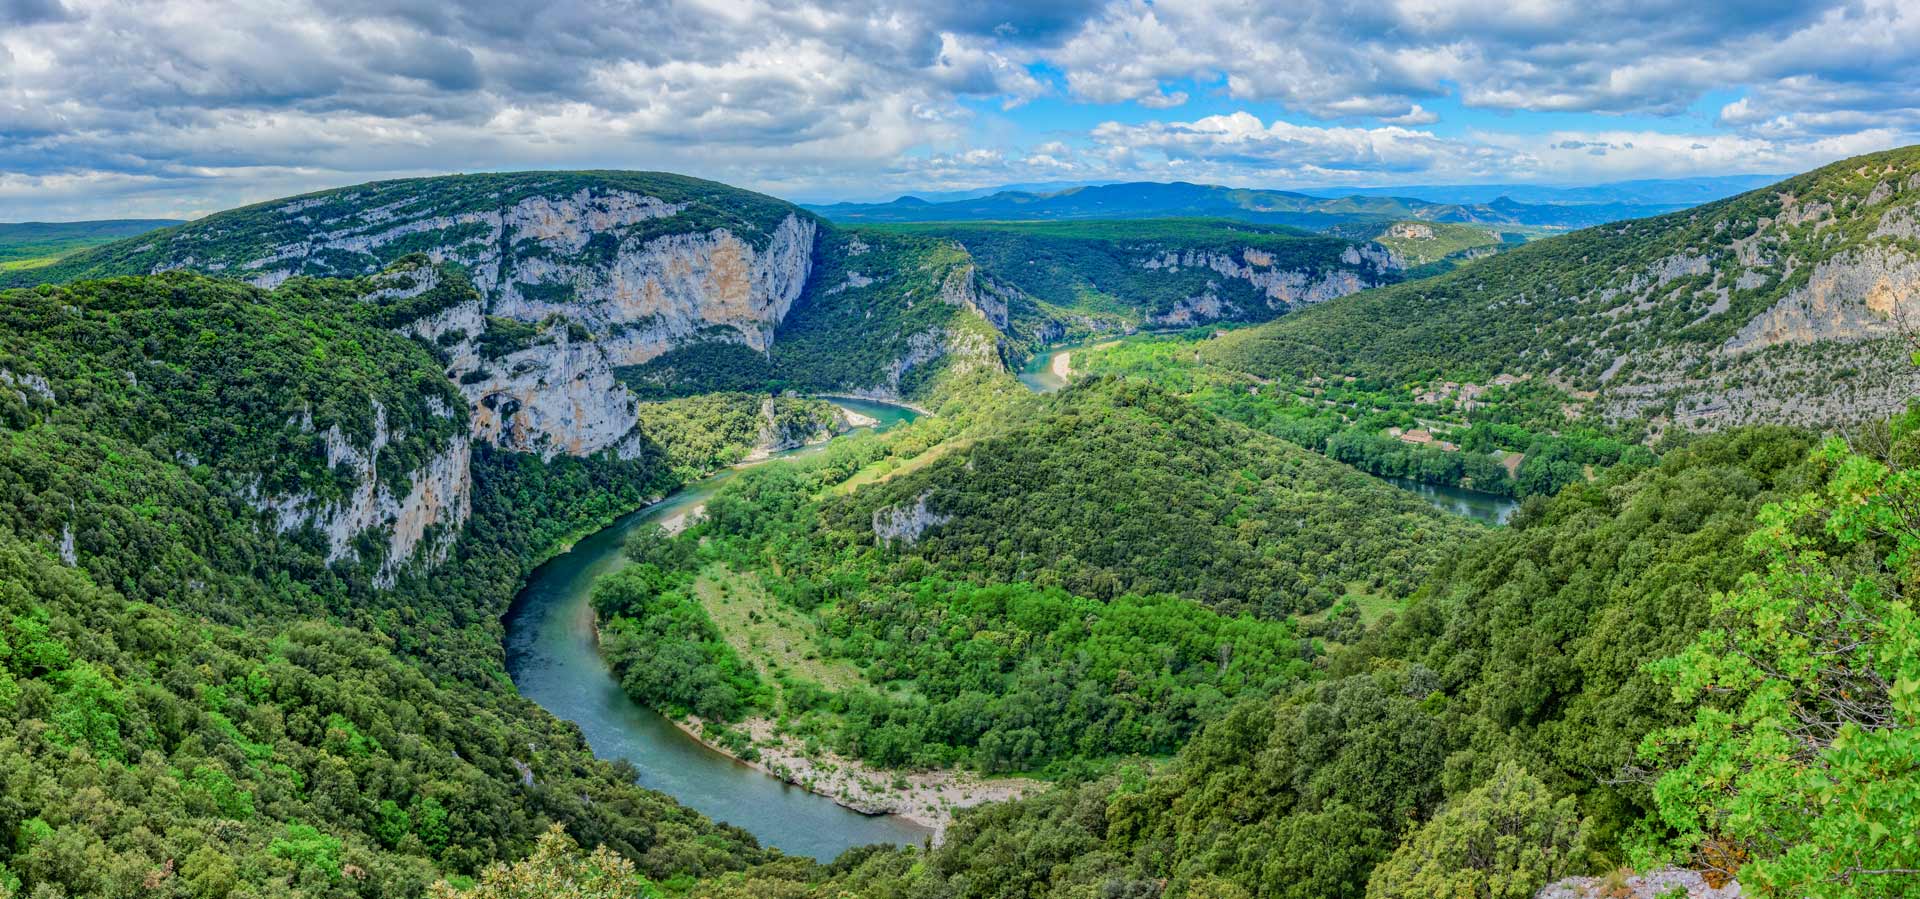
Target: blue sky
112, 108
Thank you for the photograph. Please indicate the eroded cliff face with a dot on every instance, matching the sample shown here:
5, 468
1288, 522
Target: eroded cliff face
1858, 295
1282, 289
418, 526
631, 274
1825, 289
653, 295
611, 259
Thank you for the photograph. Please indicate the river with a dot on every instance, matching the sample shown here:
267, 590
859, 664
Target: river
1041, 374
552, 659
1487, 508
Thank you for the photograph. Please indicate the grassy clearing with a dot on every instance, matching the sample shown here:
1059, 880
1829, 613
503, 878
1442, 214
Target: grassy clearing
888, 469
772, 637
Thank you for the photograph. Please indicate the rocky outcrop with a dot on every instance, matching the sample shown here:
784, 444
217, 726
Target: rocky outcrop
437, 502
655, 294
905, 523
791, 422
26, 387
1283, 289
1658, 884
1874, 292
965, 287
557, 396
608, 261
641, 291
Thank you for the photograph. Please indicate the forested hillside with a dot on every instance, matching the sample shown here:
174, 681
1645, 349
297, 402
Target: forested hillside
205, 698
1513, 694
1776, 305
257, 536
1075, 277
1070, 578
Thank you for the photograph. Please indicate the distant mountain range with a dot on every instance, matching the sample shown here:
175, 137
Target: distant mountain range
1644, 192
1147, 199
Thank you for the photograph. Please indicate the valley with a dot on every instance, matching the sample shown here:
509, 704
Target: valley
553, 657
350, 542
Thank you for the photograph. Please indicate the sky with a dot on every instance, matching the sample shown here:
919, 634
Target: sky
156, 108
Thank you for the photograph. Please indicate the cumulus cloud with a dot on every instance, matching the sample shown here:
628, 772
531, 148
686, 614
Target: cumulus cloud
144, 107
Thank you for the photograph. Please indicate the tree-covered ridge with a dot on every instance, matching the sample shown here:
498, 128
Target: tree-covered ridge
226, 375
1506, 702
1114, 486
1090, 574
1150, 200
1113, 274
902, 664
147, 751
1742, 310
361, 229
1428, 247
200, 704
1511, 437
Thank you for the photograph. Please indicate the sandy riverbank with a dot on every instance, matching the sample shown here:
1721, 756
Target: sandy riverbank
928, 798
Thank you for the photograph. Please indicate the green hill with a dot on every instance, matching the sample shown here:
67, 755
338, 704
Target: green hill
1071, 277
1782, 304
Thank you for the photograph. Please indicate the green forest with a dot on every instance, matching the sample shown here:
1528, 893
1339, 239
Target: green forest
1176, 597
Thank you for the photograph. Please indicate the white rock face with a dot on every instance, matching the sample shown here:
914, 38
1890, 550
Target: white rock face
440, 494
25, 385
657, 294
905, 523
1855, 296
1651, 885
558, 396
1283, 288
964, 287
638, 291
530, 260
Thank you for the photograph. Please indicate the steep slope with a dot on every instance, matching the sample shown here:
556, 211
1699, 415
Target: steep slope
1065, 277
1528, 648
246, 644
1783, 304
1147, 199
582, 279
644, 259
1114, 486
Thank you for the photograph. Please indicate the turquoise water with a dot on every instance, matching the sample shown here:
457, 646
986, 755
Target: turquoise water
1038, 374
552, 659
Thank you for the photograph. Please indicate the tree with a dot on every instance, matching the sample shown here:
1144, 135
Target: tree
557, 869
1503, 840
1800, 772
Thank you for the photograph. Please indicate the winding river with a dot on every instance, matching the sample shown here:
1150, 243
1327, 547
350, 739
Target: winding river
552, 659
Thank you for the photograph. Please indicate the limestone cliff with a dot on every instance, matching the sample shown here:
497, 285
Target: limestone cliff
437, 501
1282, 289
906, 522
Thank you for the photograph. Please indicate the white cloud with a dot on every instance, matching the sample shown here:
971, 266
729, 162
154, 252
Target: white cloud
176, 106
